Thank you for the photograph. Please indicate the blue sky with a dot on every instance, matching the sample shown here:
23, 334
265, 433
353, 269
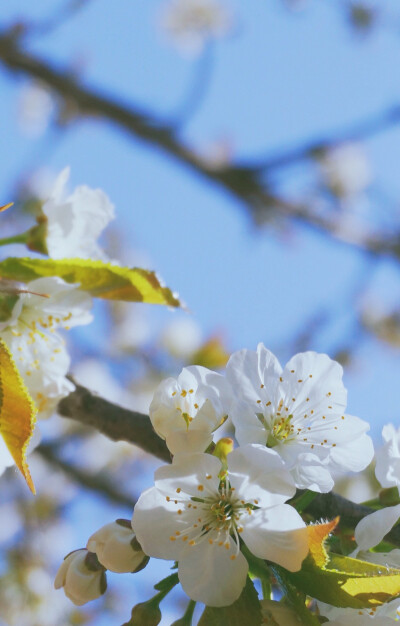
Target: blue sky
278, 80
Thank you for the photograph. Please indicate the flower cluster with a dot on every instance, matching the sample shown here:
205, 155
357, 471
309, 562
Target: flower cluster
218, 510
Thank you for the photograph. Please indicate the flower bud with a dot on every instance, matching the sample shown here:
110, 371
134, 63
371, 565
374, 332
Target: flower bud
117, 548
82, 577
146, 613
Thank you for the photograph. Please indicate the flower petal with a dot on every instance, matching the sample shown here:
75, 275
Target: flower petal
188, 473
277, 534
311, 473
371, 529
212, 574
258, 473
155, 521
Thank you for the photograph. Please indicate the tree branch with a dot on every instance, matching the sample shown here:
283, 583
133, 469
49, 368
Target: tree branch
245, 182
115, 422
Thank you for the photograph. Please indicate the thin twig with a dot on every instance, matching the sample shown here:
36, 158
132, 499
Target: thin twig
115, 422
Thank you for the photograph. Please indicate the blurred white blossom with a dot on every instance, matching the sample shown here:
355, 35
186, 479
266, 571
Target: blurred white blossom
181, 337
75, 222
36, 106
346, 170
190, 24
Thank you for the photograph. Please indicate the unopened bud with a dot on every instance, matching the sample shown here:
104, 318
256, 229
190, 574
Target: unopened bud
82, 577
117, 548
222, 449
145, 614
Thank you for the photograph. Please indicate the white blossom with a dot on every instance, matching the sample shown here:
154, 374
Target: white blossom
346, 170
192, 23
36, 106
116, 547
182, 337
81, 576
75, 222
39, 351
197, 511
186, 411
388, 458
300, 412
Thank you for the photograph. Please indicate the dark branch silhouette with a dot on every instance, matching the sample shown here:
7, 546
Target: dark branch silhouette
246, 182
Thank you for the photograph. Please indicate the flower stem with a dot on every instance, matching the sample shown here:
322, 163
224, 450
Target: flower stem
302, 501
186, 619
294, 597
15, 239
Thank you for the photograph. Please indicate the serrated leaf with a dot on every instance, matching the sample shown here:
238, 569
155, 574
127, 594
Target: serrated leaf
101, 280
347, 582
246, 610
317, 536
17, 412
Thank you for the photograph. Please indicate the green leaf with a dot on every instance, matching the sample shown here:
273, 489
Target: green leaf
101, 280
246, 610
347, 582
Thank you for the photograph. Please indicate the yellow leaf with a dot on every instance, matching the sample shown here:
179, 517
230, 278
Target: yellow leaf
317, 536
17, 412
101, 280
6, 206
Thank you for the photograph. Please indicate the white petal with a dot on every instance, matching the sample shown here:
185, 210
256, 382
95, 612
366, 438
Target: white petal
155, 521
187, 473
258, 473
311, 473
248, 428
387, 468
208, 573
354, 455
317, 377
192, 440
277, 534
371, 529
251, 372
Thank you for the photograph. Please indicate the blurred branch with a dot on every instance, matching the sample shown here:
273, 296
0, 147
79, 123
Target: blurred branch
96, 483
115, 422
244, 182
120, 424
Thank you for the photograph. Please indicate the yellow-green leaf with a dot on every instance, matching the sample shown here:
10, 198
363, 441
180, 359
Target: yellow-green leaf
101, 280
347, 582
4, 207
17, 412
317, 536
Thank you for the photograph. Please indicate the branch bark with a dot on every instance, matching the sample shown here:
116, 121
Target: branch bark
115, 422
243, 181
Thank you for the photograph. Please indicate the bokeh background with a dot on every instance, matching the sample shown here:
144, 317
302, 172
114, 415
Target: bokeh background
264, 188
